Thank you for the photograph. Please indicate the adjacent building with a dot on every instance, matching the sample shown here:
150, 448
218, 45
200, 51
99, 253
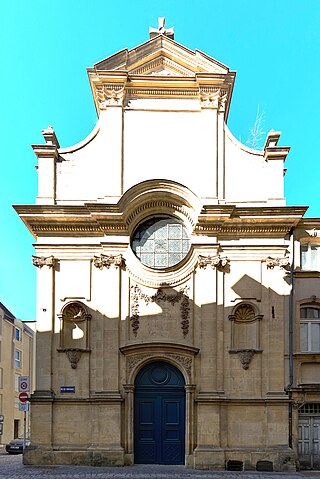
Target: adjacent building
16, 359
178, 295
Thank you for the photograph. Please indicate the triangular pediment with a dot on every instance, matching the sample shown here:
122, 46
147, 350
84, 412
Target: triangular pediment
161, 56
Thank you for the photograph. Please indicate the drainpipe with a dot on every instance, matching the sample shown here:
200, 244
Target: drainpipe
289, 386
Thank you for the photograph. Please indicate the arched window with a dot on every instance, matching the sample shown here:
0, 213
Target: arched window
310, 328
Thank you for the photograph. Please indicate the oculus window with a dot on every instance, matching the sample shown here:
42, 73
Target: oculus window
160, 242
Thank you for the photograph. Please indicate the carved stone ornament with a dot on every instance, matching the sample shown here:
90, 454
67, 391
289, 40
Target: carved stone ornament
222, 101
209, 98
244, 313
109, 95
184, 361
283, 263
74, 312
40, 261
107, 260
74, 356
179, 296
217, 262
245, 356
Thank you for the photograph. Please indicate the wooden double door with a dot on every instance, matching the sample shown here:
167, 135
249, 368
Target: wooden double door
309, 442
159, 421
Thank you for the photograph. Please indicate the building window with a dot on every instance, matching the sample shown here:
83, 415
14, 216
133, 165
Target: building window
310, 329
18, 334
310, 257
16, 382
160, 242
18, 359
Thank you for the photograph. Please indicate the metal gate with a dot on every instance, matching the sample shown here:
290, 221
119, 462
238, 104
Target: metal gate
309, 436
159, 415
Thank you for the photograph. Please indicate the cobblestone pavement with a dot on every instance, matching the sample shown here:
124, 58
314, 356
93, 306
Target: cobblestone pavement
11, 467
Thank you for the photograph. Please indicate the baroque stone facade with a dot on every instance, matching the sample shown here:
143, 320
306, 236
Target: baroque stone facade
166, 279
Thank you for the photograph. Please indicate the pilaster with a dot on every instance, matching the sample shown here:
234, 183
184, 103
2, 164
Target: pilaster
47, 156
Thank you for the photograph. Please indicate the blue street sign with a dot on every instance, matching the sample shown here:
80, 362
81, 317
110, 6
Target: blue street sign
67, 389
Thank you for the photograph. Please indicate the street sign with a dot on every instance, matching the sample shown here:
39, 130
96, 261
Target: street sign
23, 406
23, 397
24, 384
1, 428
67, 389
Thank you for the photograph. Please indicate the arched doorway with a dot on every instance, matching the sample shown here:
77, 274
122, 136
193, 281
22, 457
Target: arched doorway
159, 415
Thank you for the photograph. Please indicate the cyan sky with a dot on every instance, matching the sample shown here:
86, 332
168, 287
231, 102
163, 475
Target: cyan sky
45, 48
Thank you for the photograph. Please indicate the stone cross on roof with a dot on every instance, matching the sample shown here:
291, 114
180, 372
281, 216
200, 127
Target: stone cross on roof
161, 30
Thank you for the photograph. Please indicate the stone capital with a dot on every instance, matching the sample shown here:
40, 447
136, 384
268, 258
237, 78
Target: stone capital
218, 262
105, 261
109, 95
283, 263
40, 261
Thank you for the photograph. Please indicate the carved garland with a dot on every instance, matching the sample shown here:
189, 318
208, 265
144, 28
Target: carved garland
179, 296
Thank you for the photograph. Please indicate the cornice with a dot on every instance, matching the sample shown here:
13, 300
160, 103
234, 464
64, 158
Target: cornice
242, 230
110, 90
307, 274
263, 211
159, 197
309, 223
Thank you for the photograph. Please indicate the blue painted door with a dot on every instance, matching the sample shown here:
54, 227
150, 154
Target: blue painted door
159, 415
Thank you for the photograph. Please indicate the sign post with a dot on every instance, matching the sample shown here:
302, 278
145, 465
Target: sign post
24, 388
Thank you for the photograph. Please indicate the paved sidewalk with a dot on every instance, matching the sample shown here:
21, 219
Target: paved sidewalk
11, 467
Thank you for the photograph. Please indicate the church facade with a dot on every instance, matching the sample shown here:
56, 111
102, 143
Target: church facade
177, 306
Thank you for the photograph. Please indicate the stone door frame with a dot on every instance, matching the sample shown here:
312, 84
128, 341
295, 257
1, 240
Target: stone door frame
139, 355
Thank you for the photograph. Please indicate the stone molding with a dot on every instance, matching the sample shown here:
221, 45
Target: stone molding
178, 354
105, 261
160, 205
161, 93
283, 263
181, 297
243, 230
182, 360
169, 278
40, 261
173, 68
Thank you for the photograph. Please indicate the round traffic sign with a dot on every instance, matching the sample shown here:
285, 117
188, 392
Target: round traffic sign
24, 385
23, 397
